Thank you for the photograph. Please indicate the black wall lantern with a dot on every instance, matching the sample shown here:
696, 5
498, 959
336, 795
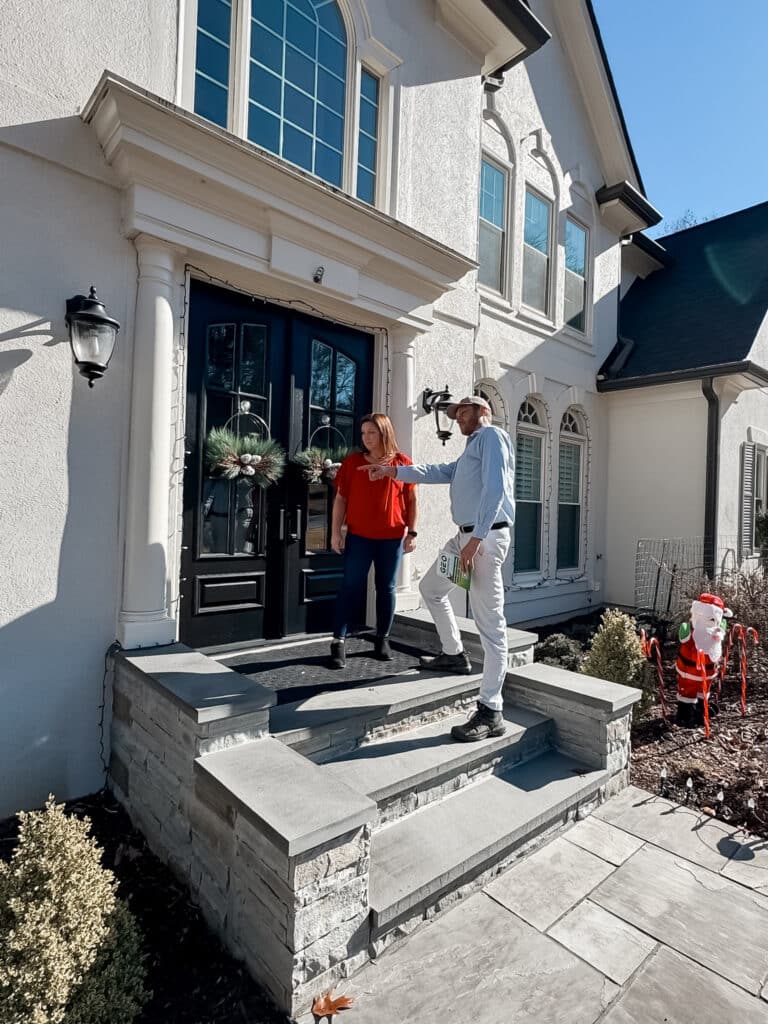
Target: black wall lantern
436, 402
92, 334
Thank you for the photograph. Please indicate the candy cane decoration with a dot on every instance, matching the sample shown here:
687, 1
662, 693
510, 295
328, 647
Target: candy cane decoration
723, 668
744, 635
649, 648
701, 665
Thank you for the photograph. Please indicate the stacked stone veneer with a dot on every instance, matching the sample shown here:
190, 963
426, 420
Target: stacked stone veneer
275, 854
592, 717
275, 849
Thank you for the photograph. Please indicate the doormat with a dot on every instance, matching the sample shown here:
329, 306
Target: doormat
299, 672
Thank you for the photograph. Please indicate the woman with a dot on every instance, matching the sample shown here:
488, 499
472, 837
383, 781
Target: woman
381, 523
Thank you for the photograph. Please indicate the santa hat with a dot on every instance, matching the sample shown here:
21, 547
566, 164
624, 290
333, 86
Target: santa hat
700, 606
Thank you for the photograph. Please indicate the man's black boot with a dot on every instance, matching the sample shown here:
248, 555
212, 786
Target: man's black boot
456, 663
381, 649
338, 654
484, 723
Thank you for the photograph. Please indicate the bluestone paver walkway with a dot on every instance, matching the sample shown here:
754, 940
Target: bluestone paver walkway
645, 913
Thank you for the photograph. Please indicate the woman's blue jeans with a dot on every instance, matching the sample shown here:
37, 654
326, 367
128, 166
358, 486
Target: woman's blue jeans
359, 554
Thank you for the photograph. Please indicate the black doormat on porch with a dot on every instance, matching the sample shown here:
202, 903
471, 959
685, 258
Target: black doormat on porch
297, 672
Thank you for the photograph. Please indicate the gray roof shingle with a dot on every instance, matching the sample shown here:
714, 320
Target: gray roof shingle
703, 309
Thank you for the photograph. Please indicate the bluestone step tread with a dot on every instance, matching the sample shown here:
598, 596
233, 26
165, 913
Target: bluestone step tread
401, 693
391, 765
419, 856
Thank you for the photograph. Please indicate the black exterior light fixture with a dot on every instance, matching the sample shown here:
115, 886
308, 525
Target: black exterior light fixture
92, 334
436, 402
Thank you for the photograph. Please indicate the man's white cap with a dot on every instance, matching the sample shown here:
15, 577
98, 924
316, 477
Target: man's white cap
450, 410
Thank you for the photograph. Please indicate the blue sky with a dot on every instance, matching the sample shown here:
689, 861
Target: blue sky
691, 77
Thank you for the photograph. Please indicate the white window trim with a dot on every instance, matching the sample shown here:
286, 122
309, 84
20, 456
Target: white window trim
584, 336
506, 261
361, 52
573, 572
499, 412
543, 317
761, 455
531, 576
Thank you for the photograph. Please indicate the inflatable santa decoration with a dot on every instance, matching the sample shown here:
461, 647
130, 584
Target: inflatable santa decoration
700, 653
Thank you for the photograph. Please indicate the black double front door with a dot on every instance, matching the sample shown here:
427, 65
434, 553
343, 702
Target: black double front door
256, 563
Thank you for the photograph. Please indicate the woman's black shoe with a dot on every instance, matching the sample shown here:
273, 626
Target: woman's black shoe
338, 654
381, 648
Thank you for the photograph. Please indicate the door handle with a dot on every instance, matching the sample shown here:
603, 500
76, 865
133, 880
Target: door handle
281, 523
293, 537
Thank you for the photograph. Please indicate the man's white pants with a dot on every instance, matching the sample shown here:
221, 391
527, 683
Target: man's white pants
486, 596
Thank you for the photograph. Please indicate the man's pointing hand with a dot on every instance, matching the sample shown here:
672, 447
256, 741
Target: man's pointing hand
378, 472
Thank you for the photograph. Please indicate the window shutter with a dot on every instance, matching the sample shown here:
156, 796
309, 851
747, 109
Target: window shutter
528, 468
747, 518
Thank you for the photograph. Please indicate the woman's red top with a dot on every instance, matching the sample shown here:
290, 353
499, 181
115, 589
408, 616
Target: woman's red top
376, 509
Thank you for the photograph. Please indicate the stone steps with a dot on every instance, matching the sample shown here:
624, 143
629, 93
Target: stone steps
425, 861
315, 834
330, 724
414, 768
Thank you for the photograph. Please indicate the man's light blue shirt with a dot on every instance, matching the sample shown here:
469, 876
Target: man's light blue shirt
482, 480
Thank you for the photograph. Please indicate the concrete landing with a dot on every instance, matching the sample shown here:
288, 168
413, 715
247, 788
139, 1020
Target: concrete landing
601, 925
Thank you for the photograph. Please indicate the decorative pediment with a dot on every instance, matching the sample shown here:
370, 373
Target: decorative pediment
195, 185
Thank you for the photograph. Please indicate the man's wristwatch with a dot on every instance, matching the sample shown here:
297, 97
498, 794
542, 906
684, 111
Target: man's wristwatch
412, 533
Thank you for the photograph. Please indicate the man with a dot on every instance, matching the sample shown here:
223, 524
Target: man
481, 485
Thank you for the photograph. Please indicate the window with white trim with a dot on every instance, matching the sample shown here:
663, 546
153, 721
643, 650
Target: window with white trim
575, 297
292, 96
537, 251
488, 390
529, 466
570, 491
492, 231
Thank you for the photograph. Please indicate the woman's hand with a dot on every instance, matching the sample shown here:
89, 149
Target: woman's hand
337, 542
409, 544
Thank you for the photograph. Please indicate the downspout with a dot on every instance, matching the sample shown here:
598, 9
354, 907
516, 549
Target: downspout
710, 491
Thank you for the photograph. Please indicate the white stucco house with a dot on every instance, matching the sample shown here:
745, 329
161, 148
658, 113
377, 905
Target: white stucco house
298, 211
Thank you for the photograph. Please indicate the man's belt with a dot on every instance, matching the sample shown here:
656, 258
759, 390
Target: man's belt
496, 526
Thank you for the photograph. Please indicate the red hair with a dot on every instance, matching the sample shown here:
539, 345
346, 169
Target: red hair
386, 431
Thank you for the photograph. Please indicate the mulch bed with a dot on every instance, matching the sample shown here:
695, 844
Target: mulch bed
192, 978
734, 761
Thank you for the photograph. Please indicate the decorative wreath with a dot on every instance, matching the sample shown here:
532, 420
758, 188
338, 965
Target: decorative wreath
227, 456
320, 465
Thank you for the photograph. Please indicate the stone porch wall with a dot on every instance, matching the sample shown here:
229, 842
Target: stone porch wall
592, 717
275, 852
276, 859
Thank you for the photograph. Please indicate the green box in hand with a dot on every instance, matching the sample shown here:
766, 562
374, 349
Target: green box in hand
449, 565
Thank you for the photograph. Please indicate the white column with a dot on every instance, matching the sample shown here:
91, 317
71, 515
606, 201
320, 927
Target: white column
403, 415
144, 616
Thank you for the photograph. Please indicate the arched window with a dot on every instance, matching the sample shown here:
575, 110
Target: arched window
529, 477
291, 97
570, 490
492, 395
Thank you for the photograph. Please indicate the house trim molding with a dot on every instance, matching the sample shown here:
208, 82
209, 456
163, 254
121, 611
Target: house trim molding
194, 185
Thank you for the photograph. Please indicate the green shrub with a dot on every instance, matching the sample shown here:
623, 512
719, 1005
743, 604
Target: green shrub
560, 650
69, 949
616, 652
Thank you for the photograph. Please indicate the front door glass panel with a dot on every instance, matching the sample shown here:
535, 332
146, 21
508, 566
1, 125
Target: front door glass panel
232, 511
